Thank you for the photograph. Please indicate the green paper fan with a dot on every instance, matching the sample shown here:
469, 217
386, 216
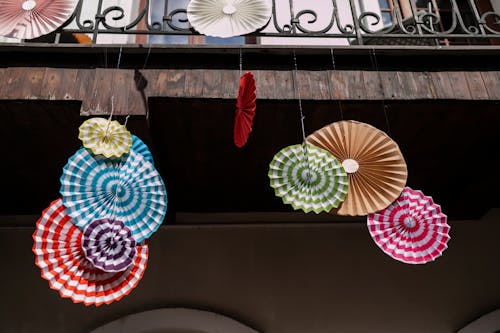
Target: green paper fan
310, 179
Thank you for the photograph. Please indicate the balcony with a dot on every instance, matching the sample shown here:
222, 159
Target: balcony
294, 22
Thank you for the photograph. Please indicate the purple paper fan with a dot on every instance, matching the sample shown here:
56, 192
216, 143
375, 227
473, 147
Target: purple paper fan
108, 244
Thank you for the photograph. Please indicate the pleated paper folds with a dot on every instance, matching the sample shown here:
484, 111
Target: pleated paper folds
373, 161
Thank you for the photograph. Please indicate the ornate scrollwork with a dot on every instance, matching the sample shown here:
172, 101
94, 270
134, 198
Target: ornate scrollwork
429, 20
119, 15
337, 23
312, 20
495, 17
364, 21
183, 19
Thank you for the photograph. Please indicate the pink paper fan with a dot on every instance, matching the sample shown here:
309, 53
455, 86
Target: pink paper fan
412, 229
28, 19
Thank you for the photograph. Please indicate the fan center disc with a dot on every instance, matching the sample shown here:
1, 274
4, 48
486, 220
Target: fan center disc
29, 5
350, 165
118, 190
308, 176
121, 191
229, 10
409, 222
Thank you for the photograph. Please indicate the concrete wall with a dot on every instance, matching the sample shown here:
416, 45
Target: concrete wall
295, 278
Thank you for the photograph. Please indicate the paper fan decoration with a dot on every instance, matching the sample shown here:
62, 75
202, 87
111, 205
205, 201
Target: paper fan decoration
412, 229
130, 190
311, 180
28, 19
375, 166
59, 255
140, 148
245, 109
109, 245
105, 137
228, 18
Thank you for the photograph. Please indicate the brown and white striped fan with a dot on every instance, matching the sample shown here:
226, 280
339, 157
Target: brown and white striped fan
373, 161
28, 19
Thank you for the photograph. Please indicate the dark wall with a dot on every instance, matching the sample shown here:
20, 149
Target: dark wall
294, 278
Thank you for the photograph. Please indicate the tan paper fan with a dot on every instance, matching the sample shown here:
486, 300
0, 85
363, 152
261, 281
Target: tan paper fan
375, 166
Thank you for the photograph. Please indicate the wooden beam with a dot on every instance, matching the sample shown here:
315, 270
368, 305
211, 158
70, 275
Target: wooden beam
97, 87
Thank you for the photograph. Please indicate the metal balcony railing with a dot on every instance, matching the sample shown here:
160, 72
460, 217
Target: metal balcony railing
348, 22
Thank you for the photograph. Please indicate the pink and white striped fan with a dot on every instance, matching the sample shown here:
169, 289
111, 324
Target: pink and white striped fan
28, 19
412, 229
61, 259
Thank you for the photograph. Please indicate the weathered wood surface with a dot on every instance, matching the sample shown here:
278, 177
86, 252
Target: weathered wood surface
97, 88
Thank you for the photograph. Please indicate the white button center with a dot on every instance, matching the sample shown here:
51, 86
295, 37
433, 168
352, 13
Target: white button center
229, 9
29, 5
350, 166
409, 222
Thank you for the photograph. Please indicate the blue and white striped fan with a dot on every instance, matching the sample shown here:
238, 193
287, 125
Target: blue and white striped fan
130, 190
140, 148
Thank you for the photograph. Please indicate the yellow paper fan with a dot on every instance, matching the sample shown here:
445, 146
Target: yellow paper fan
374, 164
104, 137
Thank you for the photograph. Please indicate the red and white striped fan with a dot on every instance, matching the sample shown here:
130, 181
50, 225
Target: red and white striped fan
28, 19
412, 229
58, 251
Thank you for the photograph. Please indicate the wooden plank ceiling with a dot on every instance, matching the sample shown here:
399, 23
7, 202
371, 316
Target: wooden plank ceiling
95, 87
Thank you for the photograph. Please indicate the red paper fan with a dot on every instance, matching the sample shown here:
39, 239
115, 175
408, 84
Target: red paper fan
28, 19
245, 111
60, 257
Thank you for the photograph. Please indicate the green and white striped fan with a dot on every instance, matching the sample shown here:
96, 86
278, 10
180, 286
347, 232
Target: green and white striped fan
308, 178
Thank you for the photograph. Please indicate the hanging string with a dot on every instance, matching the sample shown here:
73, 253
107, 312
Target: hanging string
374, 62
147, 57
105, 57
297, 93
126, 120
241, 63
331, 89
110, 118
302, 117
118, 62
119, 58
140, 84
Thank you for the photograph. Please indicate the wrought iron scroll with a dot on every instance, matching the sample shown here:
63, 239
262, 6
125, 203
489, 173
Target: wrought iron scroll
347, 19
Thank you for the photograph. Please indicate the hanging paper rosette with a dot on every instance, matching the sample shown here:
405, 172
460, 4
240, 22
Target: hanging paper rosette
60, 256
109, 245
245, 109
228, 18
28, 19
373, 161
412, 229
140, 148
309, 179
129, 190
105, 137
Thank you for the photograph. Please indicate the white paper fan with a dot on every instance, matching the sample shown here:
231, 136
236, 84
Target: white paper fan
228, 18
28, 19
